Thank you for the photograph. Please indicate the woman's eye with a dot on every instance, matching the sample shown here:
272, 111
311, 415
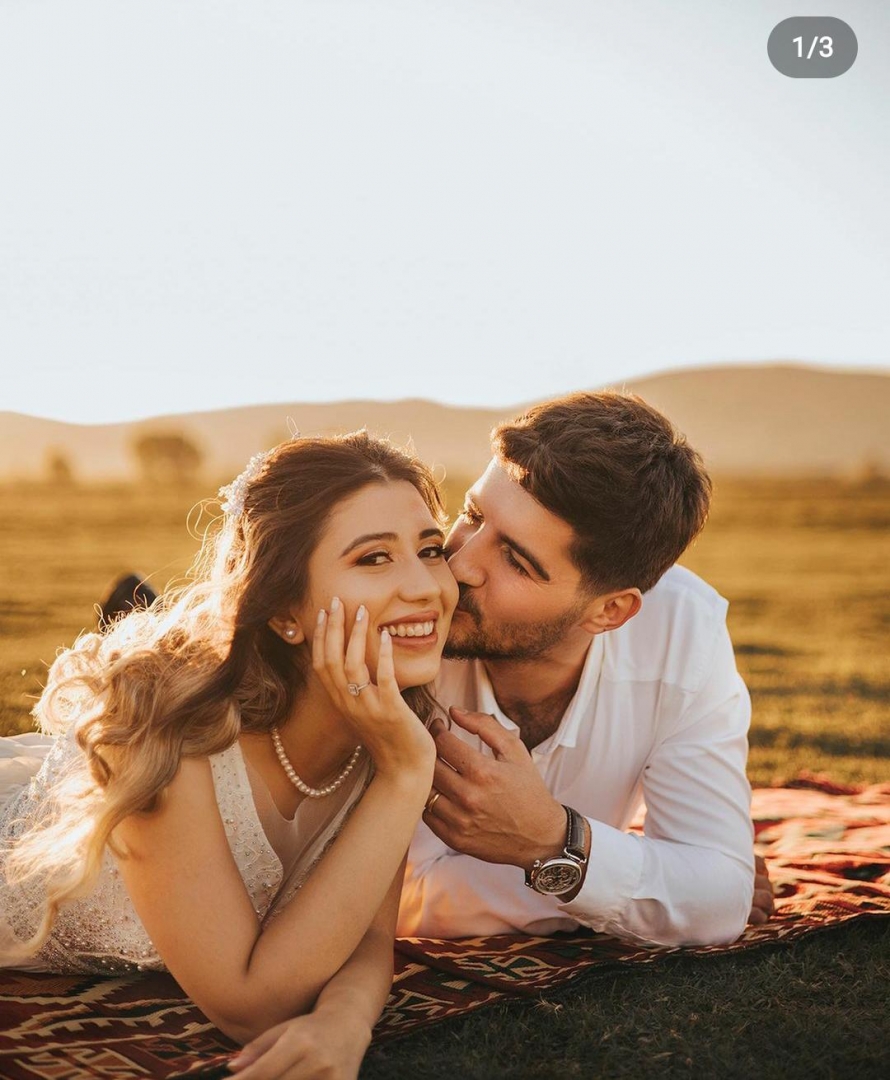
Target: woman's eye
515, 563
434, 551
473, 516
374, 558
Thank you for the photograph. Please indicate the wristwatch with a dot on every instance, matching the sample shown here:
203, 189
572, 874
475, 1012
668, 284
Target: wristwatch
559, 875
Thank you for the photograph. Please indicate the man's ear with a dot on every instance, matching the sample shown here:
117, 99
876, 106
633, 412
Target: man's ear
287, 628
611, 610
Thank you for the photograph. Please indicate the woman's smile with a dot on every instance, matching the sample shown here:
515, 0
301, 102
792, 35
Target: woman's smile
413, 631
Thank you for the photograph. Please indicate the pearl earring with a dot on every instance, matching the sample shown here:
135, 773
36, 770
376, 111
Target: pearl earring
290, 632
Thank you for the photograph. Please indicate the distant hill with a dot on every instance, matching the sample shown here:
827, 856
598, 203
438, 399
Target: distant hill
778, 419
764, 419
441, 434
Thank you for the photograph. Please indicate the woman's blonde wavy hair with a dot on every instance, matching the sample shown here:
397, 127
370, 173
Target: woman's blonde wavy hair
187, 676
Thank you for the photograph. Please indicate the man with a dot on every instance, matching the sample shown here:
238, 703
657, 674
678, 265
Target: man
599, 678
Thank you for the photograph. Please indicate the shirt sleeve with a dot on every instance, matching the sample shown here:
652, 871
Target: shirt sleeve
689, 879
447, 895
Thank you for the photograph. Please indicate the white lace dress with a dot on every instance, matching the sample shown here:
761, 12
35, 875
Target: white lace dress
101, 932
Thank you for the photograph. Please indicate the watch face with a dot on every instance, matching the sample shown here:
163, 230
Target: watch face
557, 876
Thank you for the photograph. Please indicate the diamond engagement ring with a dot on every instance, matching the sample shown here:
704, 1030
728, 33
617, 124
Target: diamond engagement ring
355, 689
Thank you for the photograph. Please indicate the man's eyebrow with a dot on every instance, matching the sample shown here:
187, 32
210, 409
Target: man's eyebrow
470, 501
366, 538
526, 554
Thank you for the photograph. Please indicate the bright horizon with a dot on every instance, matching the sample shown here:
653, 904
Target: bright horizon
507, 406
480, 204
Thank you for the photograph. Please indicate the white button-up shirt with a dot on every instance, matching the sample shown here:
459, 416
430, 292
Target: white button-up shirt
659, 720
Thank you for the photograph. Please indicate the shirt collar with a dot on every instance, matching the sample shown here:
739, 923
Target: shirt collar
579, 707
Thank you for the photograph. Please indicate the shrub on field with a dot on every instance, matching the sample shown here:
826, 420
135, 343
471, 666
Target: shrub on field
167, 457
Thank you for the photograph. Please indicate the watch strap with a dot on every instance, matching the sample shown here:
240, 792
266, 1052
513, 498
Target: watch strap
576, 835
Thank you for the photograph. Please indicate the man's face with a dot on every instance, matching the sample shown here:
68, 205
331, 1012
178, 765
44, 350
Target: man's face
520, 592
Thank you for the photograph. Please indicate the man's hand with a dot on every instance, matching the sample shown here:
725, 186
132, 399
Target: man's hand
496, 809
762, 906
323, 1045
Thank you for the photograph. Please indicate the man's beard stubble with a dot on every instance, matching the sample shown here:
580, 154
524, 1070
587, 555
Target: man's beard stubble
509, 641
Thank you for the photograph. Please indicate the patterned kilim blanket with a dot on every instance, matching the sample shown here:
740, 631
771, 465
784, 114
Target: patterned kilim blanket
828, 850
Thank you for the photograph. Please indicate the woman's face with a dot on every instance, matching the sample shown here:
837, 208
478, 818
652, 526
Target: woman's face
382, 548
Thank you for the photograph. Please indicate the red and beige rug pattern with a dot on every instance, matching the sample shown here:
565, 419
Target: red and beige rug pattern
828, 850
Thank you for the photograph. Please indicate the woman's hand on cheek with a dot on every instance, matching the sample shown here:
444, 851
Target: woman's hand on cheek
394, 736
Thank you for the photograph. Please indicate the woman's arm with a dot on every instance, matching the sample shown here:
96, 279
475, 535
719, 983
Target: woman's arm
331, 1040
188, 892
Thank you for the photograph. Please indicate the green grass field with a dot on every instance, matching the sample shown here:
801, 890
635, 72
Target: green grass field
805, 567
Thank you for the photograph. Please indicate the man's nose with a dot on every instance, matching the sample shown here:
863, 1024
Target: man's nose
463, 558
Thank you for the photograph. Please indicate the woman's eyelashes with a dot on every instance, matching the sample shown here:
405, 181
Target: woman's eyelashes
433, 551
381, 558
471, 514
374, 558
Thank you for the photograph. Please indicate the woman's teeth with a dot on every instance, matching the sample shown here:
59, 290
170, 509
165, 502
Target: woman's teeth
423, 629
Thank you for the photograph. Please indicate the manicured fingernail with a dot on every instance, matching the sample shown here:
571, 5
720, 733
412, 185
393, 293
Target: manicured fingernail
384, 636
321, 616
335, 604
360, 614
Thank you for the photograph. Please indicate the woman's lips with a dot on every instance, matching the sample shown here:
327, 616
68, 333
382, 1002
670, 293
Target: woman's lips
416, 632
415, 642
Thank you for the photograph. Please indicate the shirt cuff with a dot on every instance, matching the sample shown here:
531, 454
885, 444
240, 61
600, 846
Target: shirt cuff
614, 871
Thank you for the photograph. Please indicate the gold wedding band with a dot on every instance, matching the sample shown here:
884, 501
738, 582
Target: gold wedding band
431, 801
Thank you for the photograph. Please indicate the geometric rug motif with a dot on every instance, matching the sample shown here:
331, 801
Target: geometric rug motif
828, 851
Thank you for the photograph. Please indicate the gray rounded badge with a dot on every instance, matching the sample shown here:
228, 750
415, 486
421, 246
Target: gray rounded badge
812, 47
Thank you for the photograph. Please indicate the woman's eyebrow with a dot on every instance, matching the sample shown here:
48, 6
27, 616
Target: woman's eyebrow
391, 536
366, 538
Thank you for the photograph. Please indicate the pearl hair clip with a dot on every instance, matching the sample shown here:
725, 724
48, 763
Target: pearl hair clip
234, 494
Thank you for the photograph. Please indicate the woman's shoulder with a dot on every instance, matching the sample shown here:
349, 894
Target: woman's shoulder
198, 795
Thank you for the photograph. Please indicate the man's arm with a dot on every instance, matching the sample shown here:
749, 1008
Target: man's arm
448, 894
688, 880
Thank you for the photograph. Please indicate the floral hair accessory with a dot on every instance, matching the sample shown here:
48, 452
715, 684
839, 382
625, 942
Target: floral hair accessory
234, 494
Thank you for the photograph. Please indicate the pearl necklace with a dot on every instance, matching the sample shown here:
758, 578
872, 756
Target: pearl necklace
300, 785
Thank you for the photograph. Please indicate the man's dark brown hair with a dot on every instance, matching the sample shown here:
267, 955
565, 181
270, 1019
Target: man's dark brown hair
632, 488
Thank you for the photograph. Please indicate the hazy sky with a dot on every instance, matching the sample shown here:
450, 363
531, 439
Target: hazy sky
207, 203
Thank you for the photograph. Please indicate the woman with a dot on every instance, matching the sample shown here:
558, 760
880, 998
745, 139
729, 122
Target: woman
210, 749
